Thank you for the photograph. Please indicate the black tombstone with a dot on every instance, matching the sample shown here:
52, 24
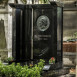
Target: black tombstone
38, 32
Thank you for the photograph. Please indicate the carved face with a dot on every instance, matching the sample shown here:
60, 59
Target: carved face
43, 23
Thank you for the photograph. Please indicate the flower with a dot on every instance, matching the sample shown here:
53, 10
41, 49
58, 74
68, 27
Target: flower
52, 60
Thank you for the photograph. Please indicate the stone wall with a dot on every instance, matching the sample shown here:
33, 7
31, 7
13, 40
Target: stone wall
4, 32
69, 24
6, 15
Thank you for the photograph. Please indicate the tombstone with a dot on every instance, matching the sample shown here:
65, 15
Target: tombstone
3, 45
37, 33
2, 35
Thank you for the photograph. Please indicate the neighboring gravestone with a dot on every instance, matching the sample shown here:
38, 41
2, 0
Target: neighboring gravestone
2, 35
3, 50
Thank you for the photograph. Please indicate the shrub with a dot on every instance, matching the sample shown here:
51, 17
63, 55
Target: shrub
13, 70
8, 59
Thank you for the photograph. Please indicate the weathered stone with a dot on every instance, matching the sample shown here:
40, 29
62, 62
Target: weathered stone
4, 54
69, 58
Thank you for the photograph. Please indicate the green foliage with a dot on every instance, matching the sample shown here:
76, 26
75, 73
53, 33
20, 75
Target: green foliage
1, 69
3, 1
41, 64
17, 70
44, 1
24, 1
8, 59
75, 34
